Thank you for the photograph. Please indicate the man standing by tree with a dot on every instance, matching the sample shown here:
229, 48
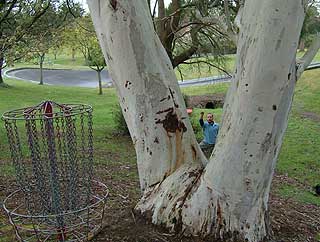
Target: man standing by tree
210, 132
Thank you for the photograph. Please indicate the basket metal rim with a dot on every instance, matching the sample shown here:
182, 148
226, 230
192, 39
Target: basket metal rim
6, 115
100, 199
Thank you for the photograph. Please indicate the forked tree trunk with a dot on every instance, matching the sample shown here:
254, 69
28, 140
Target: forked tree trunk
228, 199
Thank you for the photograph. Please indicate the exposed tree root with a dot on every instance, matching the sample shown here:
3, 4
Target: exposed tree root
163, 202
183, 202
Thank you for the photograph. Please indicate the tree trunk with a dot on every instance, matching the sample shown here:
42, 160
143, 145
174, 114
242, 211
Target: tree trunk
166, 27
302, 45
148, 90
41, 68
161, 21
1, 66
100, 84
73, 54
228, 199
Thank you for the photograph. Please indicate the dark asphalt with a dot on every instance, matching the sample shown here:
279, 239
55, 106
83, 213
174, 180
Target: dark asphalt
89, 78
80, 78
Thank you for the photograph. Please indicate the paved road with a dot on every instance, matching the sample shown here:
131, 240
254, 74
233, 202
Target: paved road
80, 78
88, 78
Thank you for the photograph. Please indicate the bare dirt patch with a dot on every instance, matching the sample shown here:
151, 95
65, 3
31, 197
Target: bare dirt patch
290, 220
206, 101
312, 116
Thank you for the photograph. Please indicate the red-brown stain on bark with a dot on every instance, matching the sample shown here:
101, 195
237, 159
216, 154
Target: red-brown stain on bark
171, 123
194, 152
219, 214
165, 111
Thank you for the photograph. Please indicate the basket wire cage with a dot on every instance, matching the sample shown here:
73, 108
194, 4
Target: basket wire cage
57, 199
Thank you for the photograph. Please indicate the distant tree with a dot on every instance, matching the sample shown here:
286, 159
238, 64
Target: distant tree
38, 49
57, 44
95, 59
16, 19
45, 34
310, 27
70, 31
89, 46
69, 36
42, 36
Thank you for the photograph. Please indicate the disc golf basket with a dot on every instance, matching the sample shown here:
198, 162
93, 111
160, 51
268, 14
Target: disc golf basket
52, 151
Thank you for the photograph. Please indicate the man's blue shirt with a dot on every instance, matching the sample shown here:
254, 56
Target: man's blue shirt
210, 131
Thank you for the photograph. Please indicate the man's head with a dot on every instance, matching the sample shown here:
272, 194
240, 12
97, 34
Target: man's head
209, 118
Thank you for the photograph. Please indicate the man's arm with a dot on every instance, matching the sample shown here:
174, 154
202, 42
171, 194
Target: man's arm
201, 119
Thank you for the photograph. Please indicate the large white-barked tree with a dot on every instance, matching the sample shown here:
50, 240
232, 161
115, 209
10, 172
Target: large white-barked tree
225, 197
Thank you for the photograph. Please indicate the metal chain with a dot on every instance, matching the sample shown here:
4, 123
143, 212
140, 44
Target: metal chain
53, 159
83, 149
73, 162
90, 154
62, 162
38, 176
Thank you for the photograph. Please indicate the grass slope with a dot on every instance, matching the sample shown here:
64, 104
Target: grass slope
299, 158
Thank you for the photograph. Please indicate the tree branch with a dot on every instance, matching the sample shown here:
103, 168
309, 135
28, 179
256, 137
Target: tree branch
70, 9
154, 9
208, 63
13, 3
238, 18
229, 29
176, 17
35, 18
307, 58
161, 23
189, 52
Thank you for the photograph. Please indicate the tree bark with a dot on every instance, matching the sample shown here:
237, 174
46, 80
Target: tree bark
302, 45
161, 26
148, 90
168, 25
227, 199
